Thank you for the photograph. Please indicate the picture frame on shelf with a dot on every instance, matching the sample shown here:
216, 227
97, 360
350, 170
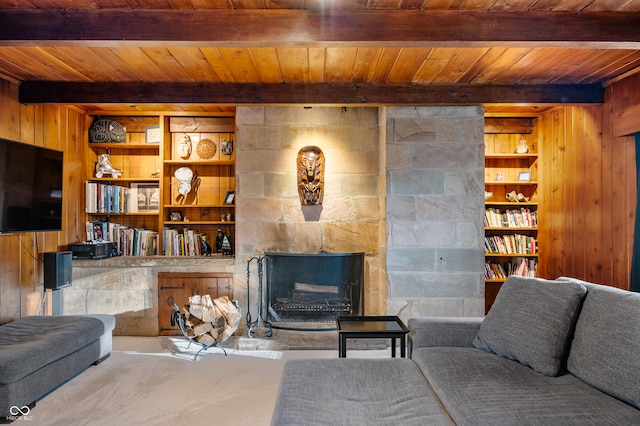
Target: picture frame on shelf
524, 176
175, 216
229, 198
146, 197
152, 134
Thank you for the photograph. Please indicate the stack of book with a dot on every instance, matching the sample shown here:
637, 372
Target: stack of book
510, 244
129, 241
184, 243
525, 267
515, 218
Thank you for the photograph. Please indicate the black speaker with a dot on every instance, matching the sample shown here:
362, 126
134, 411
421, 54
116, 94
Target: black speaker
57, 269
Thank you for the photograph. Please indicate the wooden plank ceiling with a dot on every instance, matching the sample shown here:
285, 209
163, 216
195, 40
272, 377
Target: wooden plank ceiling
211, 55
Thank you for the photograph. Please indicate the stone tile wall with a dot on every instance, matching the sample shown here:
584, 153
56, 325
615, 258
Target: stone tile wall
434, 211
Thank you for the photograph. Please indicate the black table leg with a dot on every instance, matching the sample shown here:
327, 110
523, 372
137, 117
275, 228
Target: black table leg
403, 347
393, 347
342, 346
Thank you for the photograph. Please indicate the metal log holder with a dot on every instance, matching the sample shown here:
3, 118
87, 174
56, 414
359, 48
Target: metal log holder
176, 318
260, 325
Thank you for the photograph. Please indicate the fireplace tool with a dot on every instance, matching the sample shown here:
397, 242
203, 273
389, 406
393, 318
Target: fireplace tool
260, 322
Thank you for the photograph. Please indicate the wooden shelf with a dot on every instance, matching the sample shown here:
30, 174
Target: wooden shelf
198, 206
154, 213
123, 180
198, 222
510, 228
511, 182
509, 203
112, 145
511, 156
509, 255
138, 159
200, 162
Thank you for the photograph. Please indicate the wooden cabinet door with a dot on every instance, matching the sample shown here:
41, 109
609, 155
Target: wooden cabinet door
177, 287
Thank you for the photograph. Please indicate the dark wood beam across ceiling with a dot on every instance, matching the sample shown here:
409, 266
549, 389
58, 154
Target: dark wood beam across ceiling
336, 94
316, 28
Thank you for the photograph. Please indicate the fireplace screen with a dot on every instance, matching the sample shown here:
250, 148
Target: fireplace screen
308, 288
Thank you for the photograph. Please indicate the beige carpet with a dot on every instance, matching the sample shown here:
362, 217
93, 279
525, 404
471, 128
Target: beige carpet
155, 381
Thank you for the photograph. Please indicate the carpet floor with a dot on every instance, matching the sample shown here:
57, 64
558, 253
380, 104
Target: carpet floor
156, 381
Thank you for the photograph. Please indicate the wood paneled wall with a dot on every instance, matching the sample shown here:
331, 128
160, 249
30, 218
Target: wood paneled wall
588, 197
21, 276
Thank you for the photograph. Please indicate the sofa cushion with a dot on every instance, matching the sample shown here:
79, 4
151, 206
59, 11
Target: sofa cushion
479, 388
29, 343
355, 392
605, 351
531, 321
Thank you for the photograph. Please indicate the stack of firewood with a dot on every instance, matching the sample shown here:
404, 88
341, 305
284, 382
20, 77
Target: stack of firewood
210, 321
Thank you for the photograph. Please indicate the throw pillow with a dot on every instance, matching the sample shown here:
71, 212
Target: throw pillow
531, 321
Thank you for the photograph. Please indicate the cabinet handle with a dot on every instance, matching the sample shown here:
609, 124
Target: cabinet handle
226, 287
168, 287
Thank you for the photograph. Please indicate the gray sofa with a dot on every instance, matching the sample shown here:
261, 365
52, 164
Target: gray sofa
561, 352
39, 353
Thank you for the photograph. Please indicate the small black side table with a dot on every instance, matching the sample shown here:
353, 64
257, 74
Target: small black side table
372, 327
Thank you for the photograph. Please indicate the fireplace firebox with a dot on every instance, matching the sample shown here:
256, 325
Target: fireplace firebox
312, 290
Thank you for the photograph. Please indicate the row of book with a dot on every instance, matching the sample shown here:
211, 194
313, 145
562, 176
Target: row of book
510, 244
514, 218
107, 198
187, 242
128, 241
525, 267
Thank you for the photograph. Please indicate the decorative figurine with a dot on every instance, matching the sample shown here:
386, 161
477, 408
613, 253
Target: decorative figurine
104, 167
184, 147
205, 247
310, 175
517, 198
184, 176
522, 146
206, 149
223, 245
104, 130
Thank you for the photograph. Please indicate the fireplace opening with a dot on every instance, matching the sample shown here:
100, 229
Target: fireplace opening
310, 291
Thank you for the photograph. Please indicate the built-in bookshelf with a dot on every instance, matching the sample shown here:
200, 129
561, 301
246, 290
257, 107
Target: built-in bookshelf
173, 190
511, 203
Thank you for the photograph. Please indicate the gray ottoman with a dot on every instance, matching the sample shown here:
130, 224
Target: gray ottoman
355, 392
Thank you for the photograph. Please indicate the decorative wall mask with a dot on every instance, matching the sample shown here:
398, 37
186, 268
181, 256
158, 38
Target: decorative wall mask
310, 175
184, 147
103, 130
226, 147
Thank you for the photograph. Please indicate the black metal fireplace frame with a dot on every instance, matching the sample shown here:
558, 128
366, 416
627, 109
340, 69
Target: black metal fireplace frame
357, 262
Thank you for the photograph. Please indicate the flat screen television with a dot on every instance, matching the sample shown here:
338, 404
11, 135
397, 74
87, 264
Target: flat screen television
30, 188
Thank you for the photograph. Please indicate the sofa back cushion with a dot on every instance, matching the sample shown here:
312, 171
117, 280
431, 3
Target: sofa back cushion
531, 321
605, 351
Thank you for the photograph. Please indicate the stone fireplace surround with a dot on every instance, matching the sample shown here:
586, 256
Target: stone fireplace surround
403, 185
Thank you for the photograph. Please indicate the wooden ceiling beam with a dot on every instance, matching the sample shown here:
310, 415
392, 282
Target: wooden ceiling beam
295, 94
306, 28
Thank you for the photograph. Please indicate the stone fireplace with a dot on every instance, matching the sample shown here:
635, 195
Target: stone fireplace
313, 289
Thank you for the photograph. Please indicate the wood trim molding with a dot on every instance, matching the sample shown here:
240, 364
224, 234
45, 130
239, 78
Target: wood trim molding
295, 94
309, 28
627, 122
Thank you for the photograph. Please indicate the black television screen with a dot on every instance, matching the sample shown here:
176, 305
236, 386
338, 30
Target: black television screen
30, 188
